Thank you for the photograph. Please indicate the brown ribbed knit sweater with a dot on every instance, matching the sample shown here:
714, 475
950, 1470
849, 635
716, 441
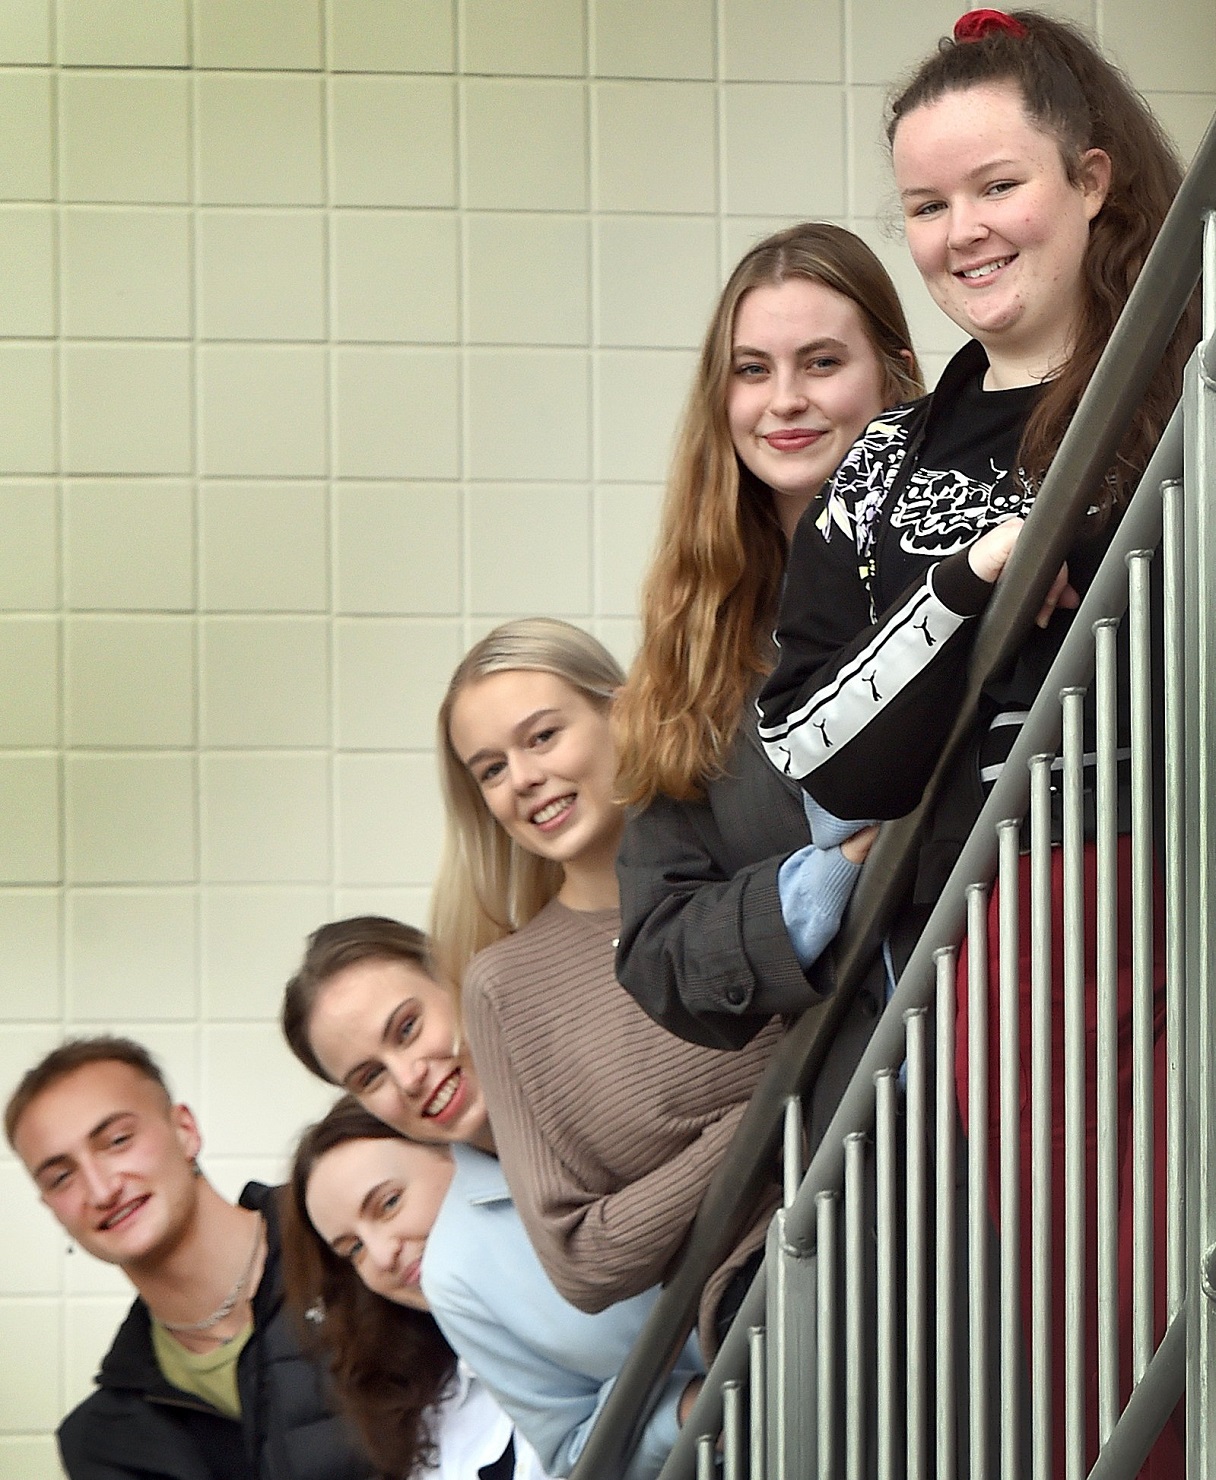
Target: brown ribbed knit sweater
608, 1127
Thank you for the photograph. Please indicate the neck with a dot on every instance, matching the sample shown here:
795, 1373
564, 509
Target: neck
589, 881
186, 1281
1007, 370
590, 889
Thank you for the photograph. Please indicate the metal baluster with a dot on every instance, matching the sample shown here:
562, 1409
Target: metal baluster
1175, 886
945, 1271
825, 1250
706, 1459
855, 1303
1105, 680
1144, 1205
917, 1339
1041, 1089
757, 1401
1010, 988
977, 1172
733, 1449
885, 1086
1074, 1088
792, 1149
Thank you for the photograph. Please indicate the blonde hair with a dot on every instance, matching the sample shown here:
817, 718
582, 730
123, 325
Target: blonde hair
487, 886
710, 599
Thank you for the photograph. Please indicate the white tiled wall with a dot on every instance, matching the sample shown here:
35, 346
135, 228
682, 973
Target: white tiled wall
330, 332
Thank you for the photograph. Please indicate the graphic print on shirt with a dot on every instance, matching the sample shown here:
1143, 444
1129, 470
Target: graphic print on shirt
868, 473
936, 514
940, 513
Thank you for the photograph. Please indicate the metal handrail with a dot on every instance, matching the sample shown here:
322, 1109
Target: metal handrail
1141, 528
1149, 318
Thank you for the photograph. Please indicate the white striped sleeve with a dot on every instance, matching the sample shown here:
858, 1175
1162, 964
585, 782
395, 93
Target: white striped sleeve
905, 644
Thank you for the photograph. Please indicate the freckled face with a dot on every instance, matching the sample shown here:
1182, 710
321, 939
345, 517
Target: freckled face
375, 1202
386, 1032
805, 381
995, 226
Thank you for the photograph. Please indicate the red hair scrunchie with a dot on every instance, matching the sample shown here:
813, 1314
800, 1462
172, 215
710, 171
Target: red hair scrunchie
977, 24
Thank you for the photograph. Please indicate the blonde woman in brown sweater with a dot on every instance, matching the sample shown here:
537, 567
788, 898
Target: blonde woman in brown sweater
608, 1127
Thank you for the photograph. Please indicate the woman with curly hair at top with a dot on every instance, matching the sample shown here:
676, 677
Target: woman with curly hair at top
1033, 180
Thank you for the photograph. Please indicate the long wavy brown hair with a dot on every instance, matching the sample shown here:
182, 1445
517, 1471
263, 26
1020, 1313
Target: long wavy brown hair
1072, 92
710, 600
390, 1365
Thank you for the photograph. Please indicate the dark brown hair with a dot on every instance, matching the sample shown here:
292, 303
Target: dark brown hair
75, 1053
710, 599
1069, 90
332, 948
389, 1364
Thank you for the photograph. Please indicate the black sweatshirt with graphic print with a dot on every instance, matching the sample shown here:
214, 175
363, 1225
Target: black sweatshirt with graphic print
877, 614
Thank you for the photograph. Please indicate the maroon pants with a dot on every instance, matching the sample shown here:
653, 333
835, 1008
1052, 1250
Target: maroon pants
1167, 1459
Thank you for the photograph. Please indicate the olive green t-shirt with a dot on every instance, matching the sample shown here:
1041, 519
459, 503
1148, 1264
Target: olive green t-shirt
208, 1375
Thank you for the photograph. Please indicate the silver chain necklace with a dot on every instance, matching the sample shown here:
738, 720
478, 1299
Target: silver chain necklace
225, 1307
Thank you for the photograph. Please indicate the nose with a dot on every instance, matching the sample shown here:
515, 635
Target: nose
524, 770
101, 1185
381, 1249
408, 1072
789, 396
965, 226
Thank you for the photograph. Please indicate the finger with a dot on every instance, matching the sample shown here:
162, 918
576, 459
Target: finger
1054, 596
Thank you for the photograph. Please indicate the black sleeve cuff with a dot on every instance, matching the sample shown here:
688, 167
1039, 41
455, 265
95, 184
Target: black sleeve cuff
958, 587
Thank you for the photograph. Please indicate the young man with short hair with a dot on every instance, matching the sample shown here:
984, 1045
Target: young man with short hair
205, 1379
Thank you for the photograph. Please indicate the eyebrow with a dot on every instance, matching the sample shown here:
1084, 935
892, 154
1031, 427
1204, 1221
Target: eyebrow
525, 724
826, 342
370, 1195
982, 169
385, 1035
63, 1156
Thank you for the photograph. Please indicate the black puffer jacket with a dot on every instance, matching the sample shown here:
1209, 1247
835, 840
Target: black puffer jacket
137, 1425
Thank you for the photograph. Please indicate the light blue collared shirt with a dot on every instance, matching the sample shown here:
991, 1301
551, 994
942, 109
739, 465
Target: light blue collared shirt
550, 1366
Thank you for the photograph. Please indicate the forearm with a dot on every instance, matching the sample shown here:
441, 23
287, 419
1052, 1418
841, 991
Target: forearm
706, 955
599, 1250
838, 716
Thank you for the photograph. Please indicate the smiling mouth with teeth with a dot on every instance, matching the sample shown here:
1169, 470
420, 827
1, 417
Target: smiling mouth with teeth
552, 810
985, 270
443, 1096
120, 1215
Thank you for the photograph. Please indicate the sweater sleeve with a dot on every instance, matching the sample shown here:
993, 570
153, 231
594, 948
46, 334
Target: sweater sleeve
704, 952
857, 709
598, 1248
814, 885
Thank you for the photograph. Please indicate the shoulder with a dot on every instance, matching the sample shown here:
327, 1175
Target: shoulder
881, 444
478, 1252
519, 957
110, 1431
